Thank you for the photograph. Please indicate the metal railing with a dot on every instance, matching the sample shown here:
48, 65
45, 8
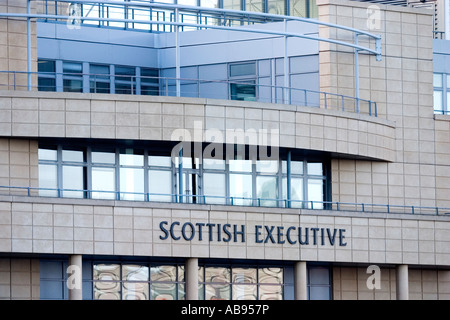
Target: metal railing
442, 112
195, 88
223, 200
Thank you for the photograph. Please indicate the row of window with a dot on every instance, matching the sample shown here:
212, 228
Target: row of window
156, 281
154, 175
298, 8
441, 84
68, 76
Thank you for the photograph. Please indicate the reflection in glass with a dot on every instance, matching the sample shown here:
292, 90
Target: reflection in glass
130, 157
315, 168
135, 291
270, 292
73, 179
266, 188
134, 273
245, 292
160, 161
270, 275
437, 103
107, 157
241, 189
47, 154
103, 183
132, 184
160, 185
73, 155
315, 193
214, 188
163, 273
244, 275
48, 180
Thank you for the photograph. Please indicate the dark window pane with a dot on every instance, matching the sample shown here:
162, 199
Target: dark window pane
243, 69
46, 84
73, 85
72, 67
245, 92
46, 66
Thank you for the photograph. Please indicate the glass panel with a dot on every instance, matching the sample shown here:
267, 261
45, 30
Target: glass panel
438, 101
270, 292
319, 276
216, 164
108, 157
217, 274
135, 273
131, 184
48, 179
315, 168
244, 292
149, 75
130, 157
267, 166
270, 275
149, 90
241, 187
160, 161
107, 272
100, 87
448, 81
73, 179
218, 291
437, 80
73, 85
315, 193
244, 275
214, 188
160, 185
46, 66
241, 165
46, 84
232, 4
47, 154
296, 167
254, 5
188, 2
313, 9
243, 69
296, 192
103, 179
106, 290
99, 71
164, 291
277, 7
299, 8
266, 188
135, 291
72, 68
243, 91
125, 88
163, 273
73, 155
319, 293
209, 3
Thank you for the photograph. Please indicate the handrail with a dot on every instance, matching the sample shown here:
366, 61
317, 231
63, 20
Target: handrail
176, 9
166, 87
230, 200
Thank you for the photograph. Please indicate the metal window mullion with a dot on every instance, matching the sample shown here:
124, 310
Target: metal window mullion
59, 171
89, 172
146, 176
117, 177
305, 185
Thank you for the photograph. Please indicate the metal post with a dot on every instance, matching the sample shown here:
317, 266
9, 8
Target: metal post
357, 74
28, 46
177, 55
286, 67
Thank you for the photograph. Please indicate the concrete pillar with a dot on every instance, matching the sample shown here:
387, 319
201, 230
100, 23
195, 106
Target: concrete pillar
300, 281
402, 282
191, 277
74, 280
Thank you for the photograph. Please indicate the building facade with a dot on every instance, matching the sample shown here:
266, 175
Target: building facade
232, 150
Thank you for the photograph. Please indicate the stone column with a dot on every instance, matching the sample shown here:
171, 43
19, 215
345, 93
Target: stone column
402, 282
191, 277
74, 280
300, 281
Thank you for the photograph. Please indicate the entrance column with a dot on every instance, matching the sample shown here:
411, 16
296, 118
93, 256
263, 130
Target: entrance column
74, 280
402, 282
191, 274
300, 281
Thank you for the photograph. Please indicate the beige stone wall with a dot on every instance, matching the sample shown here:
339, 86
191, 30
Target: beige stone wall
76, 226
13, 46
18, 165
401, 84
19, 279
350, 283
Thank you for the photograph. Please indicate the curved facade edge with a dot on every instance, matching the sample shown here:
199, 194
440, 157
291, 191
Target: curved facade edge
97, 116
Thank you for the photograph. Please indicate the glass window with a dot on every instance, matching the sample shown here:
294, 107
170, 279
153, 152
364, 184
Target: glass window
254, 5
46, 84
107, 282
132, 184
315, 193
160, 161
48, 179
319, 283
160, 185
131, 157
99, 78
243, 91
240, 165
46, 66
437, 80
214, 188
71, 85
73, 181
125, 80
267, 191
103, 183
315, 168
73, 155
47, 154
149, 82
209, 3
232, 4
241, 190
277, 6
437, 101
107, 157
72, 68
243, 69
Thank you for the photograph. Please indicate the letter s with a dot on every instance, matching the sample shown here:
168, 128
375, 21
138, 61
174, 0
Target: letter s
163, 229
